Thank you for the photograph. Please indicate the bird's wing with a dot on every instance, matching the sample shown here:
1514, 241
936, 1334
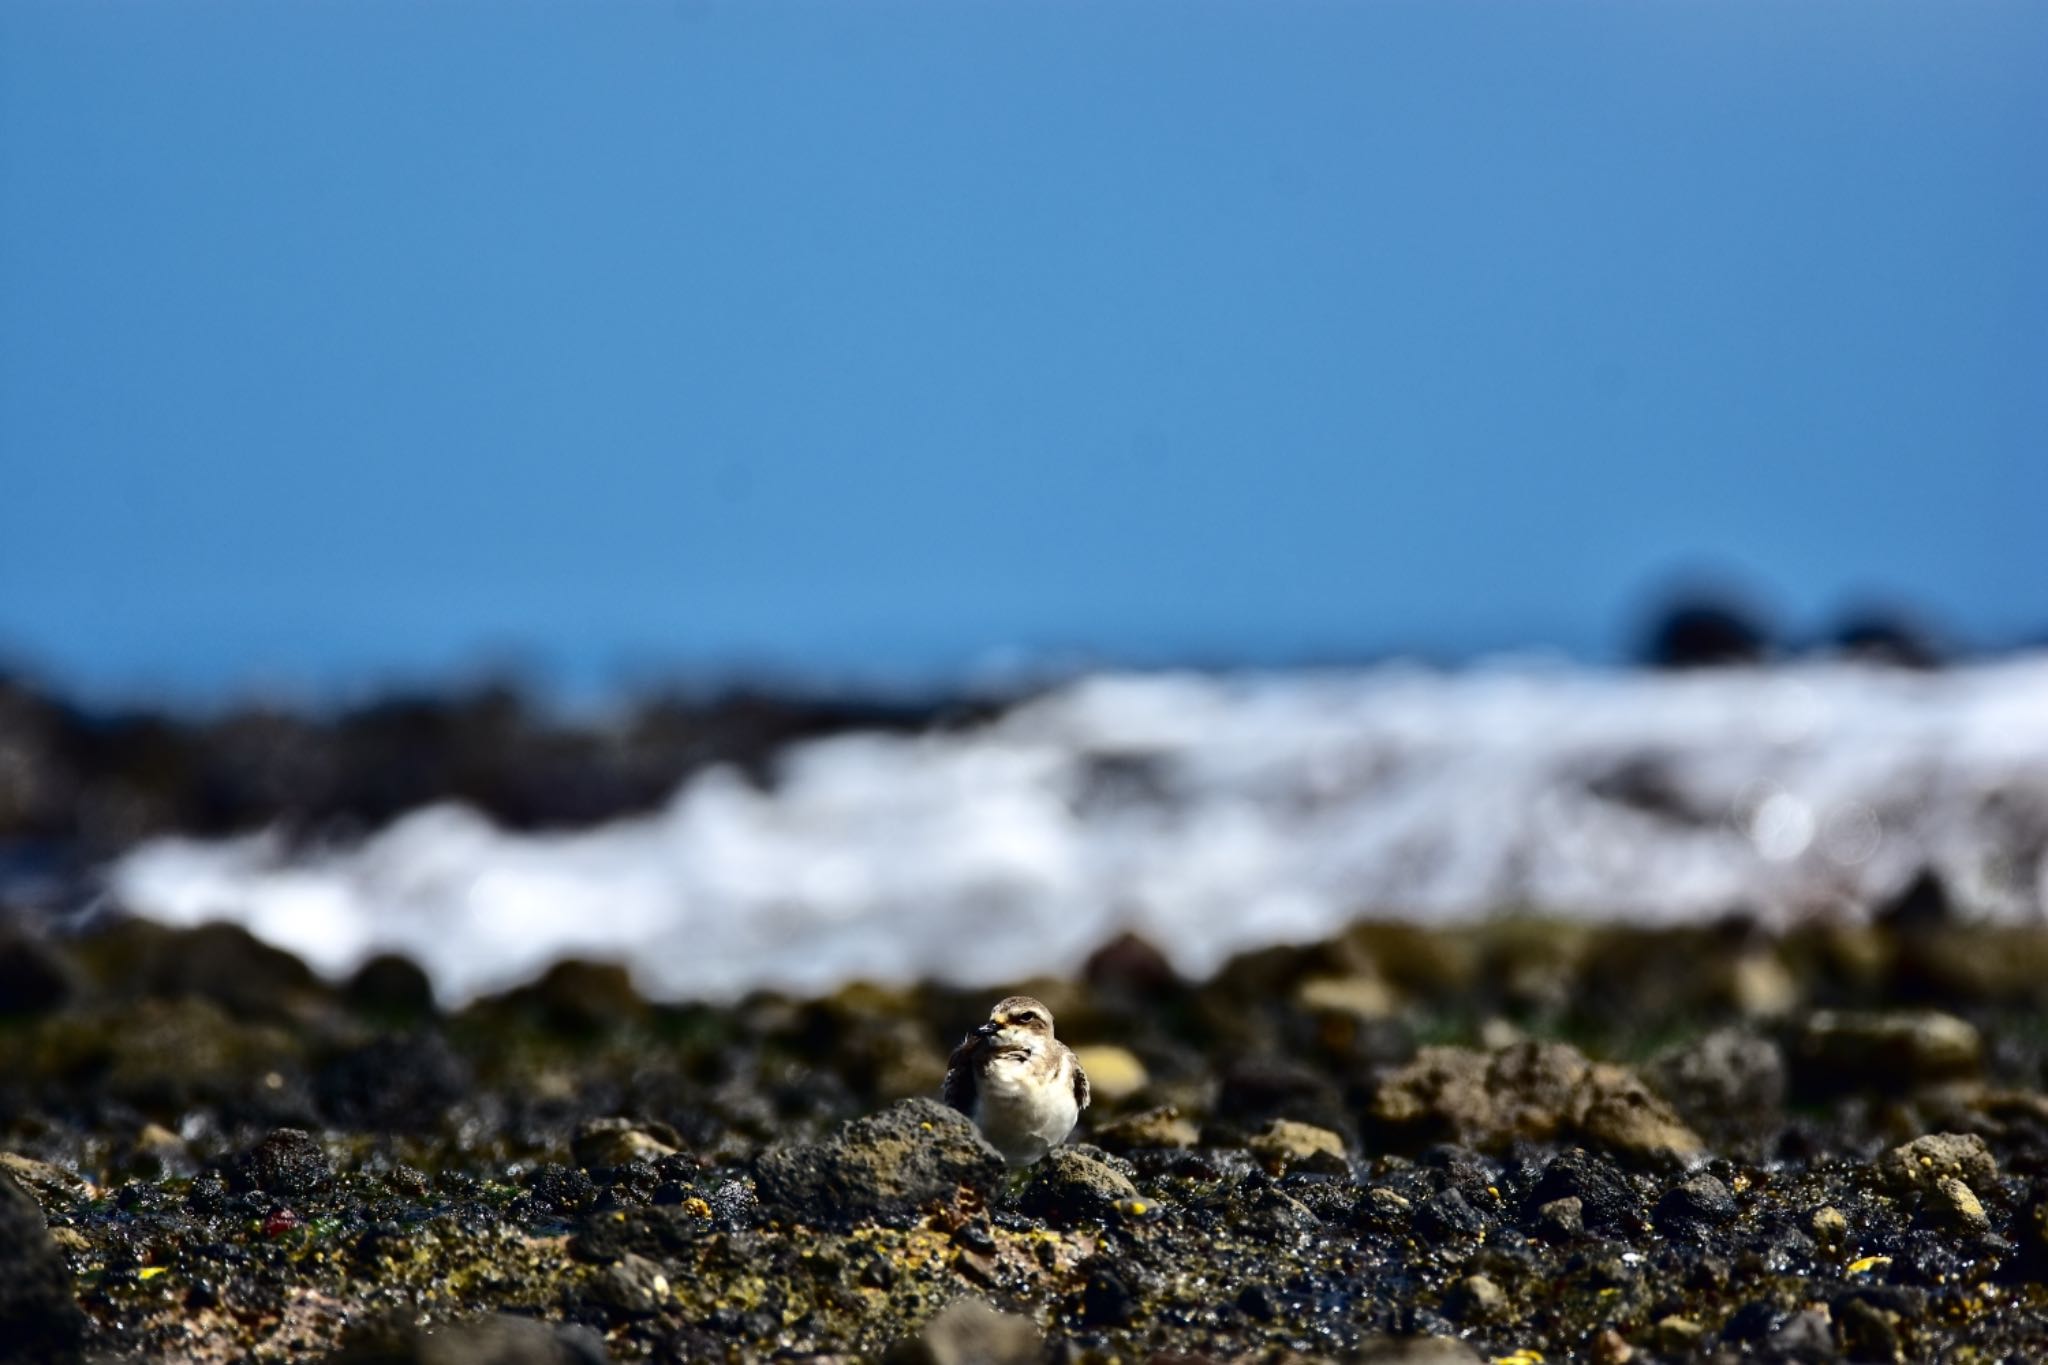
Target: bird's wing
959, 1088
1080, 1081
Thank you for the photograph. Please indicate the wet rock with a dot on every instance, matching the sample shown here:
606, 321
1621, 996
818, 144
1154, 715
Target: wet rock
1608, 1200
607, 1142
1284, 1143
561, 1189
1114, 1073
1695, 1204
1925, 1161
1726, 1077
1889, 1052
399, 1083
1148, 1129
888, 1165
1448, 1216
1560, 1220
39, 1322
970, 1332
286, 1162
1072, 1186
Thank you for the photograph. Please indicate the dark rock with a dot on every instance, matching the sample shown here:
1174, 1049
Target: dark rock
1476, 1298
286, 1162
1071, 1187
970, 1332
1107, 1299
888, 1165
223, 963
1560, 1220
1920, 905
1867, 1334
398, 1084
582, 997
1888, 638
1705, 630
631, 1286
1806, 1336
34, 977
1131, 967
39, 1321
607, 1142
390, 986
209, 1194
656, 1233
1698, 1203
1726, 1077
1608, 1200
1448, 1217
1755, 1321
561, 1189
1255, 1093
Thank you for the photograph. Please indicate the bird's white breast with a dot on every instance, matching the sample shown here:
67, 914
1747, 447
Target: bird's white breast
1026, 1105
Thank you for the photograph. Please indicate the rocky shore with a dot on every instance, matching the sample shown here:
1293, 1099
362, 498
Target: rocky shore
1519, 1142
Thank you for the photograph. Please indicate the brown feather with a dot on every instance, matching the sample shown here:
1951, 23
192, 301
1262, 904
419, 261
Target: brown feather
1080, 1084
959, 1090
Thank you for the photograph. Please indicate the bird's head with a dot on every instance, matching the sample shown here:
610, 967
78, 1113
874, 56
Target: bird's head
1018, 1024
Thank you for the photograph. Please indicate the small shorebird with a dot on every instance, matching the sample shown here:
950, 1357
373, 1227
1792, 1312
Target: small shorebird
1022, 1086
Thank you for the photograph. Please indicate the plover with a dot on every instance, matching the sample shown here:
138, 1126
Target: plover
1022, 1086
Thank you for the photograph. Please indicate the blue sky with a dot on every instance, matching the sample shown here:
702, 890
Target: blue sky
344, 339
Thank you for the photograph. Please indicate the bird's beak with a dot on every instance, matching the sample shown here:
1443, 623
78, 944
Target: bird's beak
988, 1030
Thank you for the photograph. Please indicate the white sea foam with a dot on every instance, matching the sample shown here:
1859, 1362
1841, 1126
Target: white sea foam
1210, 813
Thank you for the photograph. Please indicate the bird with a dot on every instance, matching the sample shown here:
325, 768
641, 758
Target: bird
1023, 1087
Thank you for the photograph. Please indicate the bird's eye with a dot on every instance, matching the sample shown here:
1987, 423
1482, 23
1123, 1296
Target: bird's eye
1027, 1017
